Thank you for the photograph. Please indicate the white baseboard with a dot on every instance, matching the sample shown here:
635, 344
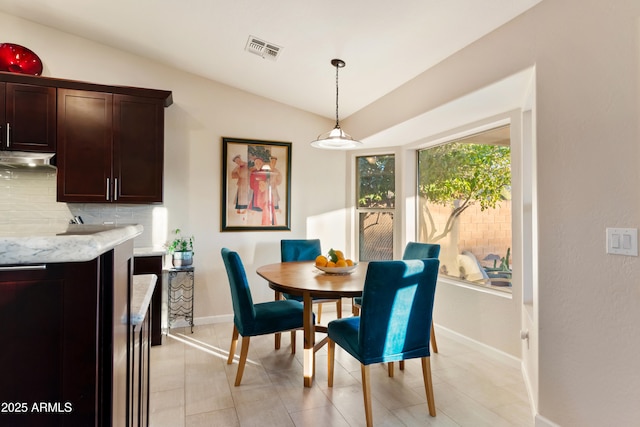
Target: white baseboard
500, 355
207, 320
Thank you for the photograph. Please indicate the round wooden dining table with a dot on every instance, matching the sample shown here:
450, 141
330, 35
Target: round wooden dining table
303, 279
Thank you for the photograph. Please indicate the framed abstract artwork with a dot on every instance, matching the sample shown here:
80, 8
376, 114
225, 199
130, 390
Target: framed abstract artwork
256, 185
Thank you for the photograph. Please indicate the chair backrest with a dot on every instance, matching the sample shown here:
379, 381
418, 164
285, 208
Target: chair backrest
415, 250
299, 249
397, 306
244, 313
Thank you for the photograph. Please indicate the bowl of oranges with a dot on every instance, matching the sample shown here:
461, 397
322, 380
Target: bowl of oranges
335, 263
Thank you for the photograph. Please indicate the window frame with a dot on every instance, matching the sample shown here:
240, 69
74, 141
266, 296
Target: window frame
409, 182
452, 140
353, 197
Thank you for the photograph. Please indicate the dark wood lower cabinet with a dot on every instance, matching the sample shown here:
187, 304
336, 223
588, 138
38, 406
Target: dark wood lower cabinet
69, 356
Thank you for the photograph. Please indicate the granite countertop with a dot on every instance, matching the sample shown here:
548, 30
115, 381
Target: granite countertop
149, 251
143, 286
55, 243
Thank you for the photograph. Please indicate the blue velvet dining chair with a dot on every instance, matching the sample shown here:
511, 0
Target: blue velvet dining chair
413, 250
417, 250
397, 305
305, 250
251, 319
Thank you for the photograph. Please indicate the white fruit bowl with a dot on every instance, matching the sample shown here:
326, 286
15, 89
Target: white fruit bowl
338, 270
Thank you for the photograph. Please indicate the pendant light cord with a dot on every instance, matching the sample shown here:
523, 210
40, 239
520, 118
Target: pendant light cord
337, 121
336, 138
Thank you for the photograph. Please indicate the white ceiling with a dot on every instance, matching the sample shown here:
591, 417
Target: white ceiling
384, 43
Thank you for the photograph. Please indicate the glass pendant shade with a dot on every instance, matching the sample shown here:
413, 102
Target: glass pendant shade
336, 138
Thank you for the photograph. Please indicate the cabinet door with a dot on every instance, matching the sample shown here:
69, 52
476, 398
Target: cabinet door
31, 301
30, 118
50, 344
138, 145
84, 146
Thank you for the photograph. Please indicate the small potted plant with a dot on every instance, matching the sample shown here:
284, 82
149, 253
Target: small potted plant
181, 249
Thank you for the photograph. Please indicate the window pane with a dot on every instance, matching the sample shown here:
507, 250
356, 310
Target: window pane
376, 236
376, 182
464, 195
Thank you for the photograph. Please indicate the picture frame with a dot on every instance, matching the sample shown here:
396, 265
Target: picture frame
256, 185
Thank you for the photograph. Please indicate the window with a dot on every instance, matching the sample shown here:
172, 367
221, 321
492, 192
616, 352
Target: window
464, 204
375, 206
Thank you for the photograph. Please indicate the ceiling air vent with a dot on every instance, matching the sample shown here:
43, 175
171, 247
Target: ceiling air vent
262, 48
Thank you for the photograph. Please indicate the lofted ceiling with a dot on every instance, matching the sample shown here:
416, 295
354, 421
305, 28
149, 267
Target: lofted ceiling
383, 43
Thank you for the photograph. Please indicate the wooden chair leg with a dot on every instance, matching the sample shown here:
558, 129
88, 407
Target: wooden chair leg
366, 391
234, 343
278, 340
331, 350
293, 342
434, 344
339, 308
319, 313
390, 367
244, 351
355, 310
428, 385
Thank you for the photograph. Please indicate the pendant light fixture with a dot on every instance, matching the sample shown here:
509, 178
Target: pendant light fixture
336, 138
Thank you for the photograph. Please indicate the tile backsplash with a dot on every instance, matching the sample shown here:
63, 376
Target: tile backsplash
28, 196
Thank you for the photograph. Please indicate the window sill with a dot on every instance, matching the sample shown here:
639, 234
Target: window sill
499, 291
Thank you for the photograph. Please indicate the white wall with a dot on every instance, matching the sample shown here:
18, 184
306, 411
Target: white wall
586, 57
202, 113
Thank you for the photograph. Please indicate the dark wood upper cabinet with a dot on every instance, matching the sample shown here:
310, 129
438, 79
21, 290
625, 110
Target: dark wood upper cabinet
85, 146
108, 140
138, 149
27, 117
110, 149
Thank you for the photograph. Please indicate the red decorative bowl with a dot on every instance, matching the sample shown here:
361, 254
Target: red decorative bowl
18, 59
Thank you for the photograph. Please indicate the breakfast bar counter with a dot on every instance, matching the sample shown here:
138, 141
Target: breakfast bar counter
66, 306
40, 244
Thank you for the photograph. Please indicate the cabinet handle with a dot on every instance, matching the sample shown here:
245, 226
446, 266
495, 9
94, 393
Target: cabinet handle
115, 189
24, 267
107, 188
8, 126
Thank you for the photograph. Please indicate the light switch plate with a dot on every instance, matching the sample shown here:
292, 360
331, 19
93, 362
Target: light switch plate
622, 241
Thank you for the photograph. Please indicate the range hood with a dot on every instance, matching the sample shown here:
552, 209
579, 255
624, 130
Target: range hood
26, 159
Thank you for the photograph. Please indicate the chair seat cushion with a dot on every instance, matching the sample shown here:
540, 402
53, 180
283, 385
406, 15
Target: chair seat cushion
345, 333
274, 316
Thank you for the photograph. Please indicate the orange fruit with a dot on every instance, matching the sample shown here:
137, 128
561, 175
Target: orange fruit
331, 264
339, 254
321, 261
349, 262
341, 263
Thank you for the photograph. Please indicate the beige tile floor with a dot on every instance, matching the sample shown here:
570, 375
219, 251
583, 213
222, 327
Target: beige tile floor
191, 385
